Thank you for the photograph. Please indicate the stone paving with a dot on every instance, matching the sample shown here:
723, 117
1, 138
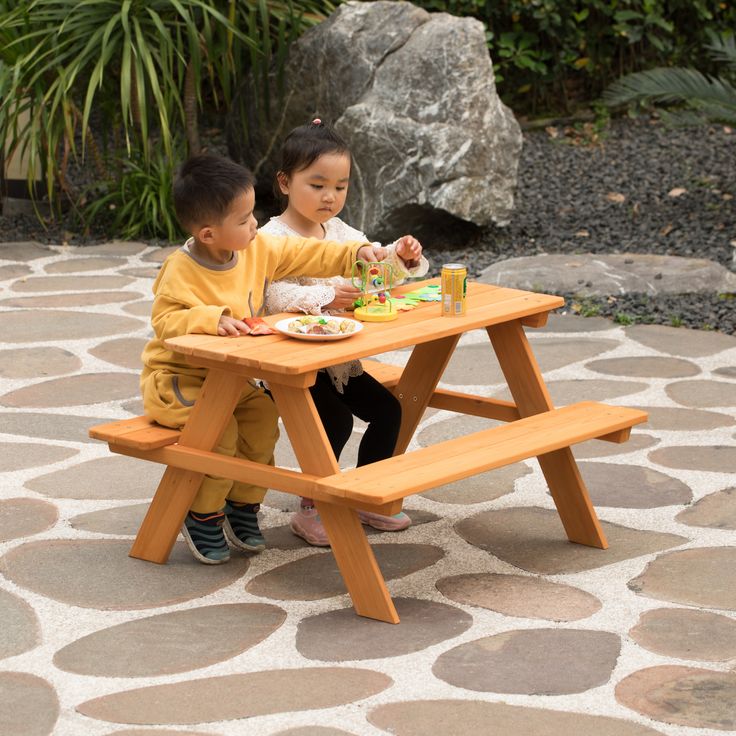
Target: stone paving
506, 627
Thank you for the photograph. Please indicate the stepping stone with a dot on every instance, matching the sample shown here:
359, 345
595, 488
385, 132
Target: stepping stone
533, 539
702, 394
598, 448
156, 732
77, 264
645, 367
13, 271
20, 631
716, 510
462, 717
134, 407
703, 577
689, 420
680, 341
125, 248
686, 634
123, 351
24, 517
339, 636
729, 371
28, 705
685, 696
532, 662
96, 573
523, 596
89, 298
36, 326
479, 488
37, 362
140, 273
230, 697
557, 322
24, 251
632, 486
139, 309
160, 254
598, 274
21, 455
50, 426
316, 576
120, 520
151, 647
595, 389
70, 283
456, 426
477, 364
718, 459
89, 388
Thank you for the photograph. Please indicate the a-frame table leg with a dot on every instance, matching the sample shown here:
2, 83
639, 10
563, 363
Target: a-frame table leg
563, 477
353, 554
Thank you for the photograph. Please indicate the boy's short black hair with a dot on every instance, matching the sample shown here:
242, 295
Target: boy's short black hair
205, 187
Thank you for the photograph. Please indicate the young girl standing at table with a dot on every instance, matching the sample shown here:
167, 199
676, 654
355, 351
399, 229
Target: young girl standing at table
313, 181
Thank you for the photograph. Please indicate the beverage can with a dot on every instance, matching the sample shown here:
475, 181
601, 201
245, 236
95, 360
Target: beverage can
454, 285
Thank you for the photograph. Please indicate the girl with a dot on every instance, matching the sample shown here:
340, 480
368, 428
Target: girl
313, 181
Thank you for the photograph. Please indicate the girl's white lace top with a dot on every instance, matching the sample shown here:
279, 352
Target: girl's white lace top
311, 295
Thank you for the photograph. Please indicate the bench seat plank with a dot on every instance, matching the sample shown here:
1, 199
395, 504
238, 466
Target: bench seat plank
141, 433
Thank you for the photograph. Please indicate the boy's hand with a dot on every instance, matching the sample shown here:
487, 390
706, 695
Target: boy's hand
231, 326
371, 253
345, 296
409, 249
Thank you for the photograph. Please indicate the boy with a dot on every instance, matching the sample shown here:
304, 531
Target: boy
208, 286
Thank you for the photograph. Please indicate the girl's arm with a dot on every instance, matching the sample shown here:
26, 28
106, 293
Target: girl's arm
291, 296
393, 259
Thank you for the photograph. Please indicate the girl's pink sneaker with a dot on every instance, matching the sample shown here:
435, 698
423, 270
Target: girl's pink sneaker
395, 523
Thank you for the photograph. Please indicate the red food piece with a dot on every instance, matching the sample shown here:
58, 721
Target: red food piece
258, 326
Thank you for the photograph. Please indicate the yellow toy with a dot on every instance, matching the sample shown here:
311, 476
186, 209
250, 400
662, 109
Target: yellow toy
375, 280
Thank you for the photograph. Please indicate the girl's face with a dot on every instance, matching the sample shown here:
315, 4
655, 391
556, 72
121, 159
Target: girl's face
318, 192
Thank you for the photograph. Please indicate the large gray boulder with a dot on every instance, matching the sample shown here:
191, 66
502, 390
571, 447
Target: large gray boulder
413, 93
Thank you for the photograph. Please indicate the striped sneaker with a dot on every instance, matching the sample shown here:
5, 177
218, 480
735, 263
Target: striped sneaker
395, 523
203, 533
241, 526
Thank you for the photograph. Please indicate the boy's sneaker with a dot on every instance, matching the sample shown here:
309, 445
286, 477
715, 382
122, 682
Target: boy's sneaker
204, 536
395, 523
241, 526
306, 524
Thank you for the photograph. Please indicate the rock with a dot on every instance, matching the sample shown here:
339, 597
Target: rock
413, 93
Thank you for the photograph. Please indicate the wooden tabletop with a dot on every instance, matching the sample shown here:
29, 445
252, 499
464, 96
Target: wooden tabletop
486, 305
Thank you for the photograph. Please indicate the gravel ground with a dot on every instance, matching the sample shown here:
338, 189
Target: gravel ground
635, 186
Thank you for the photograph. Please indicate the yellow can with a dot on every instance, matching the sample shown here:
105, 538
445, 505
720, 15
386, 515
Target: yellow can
454, 285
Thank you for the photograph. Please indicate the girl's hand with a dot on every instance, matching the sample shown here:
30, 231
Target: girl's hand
372, 253
231, 326
345, 296
409, 249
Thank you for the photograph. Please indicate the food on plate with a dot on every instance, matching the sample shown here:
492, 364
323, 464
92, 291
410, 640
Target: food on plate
258, 326
319, 325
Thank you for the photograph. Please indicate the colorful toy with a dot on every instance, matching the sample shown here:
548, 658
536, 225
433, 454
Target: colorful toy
375, 280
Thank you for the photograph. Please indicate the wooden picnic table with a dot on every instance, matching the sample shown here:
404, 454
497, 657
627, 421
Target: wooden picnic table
533, 428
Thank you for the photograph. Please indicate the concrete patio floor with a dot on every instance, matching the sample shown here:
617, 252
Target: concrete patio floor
506, 627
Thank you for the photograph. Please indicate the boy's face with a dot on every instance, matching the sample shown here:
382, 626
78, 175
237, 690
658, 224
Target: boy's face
237, 229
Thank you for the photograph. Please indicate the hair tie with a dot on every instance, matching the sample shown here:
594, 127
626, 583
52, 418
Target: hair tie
316, 121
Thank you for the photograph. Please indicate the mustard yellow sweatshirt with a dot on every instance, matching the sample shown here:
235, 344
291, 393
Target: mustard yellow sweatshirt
190, 297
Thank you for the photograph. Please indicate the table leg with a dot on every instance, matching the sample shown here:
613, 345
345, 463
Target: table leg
177, 488
559, 468
353, 554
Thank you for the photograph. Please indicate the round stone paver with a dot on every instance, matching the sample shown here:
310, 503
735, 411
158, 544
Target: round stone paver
704, 577
557, 322
671, 418
479, 488
110, 478
596, 389
160, 254
123, 351
463, 717
28, 705
20, 630
120, 520
314, 731
70, 283
37, 362
718, 459
729, 371
238, 696
13, 271
141, 273
717, 511
21, 455
599, 448
156, 732
533, 539
42, 326
50, 426
317, 576
78, 265
679, 341
702, 394
687, 634
139, 309
26, 250
24, 517
532, 662
116, 248
686, 696
644, 367
151, 647
90, 388
87, 299
95, 573
339, 636
632, 486
522, 596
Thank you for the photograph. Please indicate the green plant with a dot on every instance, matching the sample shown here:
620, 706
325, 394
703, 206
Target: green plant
622, 318
676, 320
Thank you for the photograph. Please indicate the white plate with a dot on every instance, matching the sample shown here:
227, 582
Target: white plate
283, 327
